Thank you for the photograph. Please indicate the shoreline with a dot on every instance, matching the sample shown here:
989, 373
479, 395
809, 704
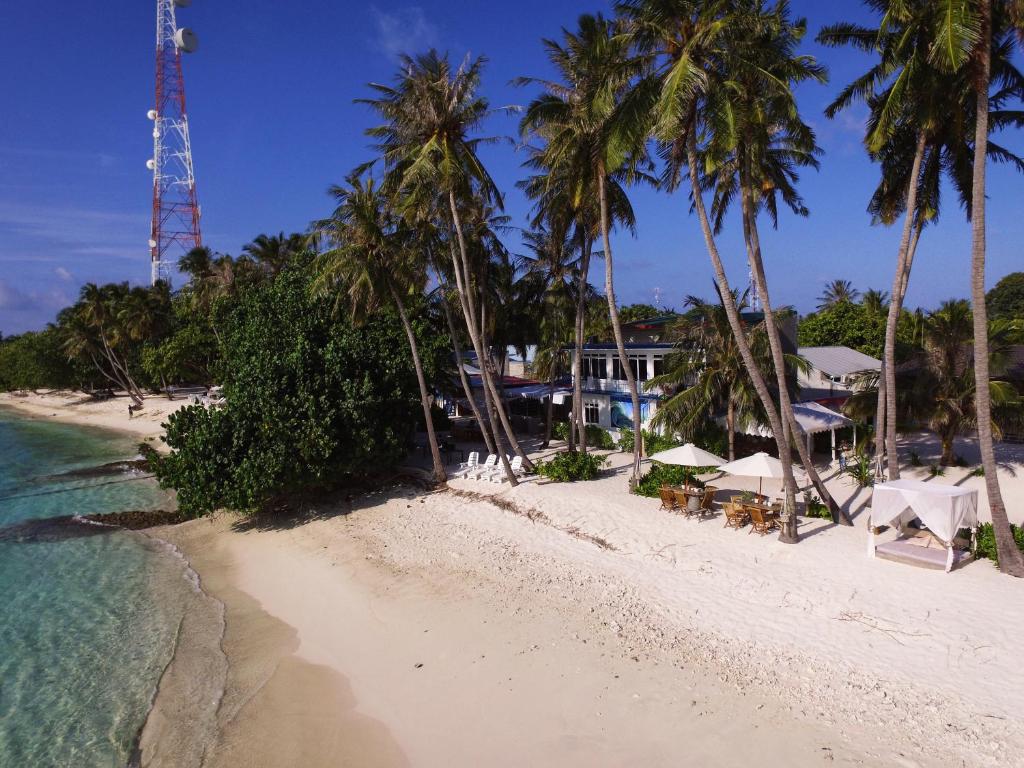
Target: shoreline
76, 408
544, 648
574, 625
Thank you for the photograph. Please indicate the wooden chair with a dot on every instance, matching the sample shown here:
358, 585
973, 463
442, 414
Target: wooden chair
682, 501
735, 516
762, 521
668, 498
706, 501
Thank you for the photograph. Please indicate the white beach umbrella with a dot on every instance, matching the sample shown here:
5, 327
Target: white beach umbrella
688, 455
760, 465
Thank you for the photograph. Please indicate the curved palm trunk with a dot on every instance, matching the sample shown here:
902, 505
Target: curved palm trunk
551, 405
613, 313
440, 475
577, 365
466, 388
730, 426
774, 419
493, 404
795, 436
1011, 561
899, 283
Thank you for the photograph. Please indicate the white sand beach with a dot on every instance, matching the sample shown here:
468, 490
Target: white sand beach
577, 625
112, 413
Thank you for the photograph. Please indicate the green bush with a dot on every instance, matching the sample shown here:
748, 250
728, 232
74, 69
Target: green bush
570, 466
860, 471
312, 401
596, 437
915, 459
814, 507
653, 441
986, 546
936, 471
667, 474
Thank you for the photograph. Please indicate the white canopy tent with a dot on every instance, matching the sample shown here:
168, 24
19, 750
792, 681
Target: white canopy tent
943, 509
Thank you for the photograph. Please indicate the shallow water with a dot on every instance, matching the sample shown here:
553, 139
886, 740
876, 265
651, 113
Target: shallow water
88, 615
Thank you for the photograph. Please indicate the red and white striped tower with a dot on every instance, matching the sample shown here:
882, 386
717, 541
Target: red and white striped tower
175, 228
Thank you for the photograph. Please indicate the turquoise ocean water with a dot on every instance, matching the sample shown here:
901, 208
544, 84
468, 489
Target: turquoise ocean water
88, 615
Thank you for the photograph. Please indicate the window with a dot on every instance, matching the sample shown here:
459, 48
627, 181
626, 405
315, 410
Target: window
639, 364
591, 413
659, 365
617, 372
595, 367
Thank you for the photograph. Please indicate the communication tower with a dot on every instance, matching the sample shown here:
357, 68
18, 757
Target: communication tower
175, 227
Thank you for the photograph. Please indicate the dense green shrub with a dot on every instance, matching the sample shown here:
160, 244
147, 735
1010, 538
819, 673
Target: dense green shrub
667, 474
311, 401
986, 546
860, 471
570, 466
813, 507
653, 441
596, 437
35, 360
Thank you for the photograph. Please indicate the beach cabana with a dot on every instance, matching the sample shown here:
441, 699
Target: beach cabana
812, 418
942, 509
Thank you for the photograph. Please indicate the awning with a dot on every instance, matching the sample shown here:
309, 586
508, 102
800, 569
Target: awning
812, 419
944, 509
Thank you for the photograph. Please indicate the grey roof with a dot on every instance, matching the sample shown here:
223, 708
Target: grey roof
839, 361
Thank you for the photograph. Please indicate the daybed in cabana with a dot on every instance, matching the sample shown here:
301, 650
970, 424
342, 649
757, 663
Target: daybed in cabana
943, 510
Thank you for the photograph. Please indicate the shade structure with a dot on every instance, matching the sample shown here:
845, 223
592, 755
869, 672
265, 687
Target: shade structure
688, 455
759, 465
945, 509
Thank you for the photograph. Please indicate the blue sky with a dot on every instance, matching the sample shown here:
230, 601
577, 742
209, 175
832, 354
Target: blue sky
273, 124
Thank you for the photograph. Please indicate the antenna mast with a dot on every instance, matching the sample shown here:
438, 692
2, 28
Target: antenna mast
175, 224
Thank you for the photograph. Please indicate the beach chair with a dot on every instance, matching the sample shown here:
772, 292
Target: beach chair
706, 502
682, 501
466, 466
483, 469
735, 515
668, 498
516, 465
762, 521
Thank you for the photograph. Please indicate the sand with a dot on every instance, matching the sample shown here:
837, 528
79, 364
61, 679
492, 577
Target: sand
112, 414
577, 625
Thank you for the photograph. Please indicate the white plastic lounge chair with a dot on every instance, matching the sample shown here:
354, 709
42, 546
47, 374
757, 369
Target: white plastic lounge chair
499, 475
482, 469
466, 466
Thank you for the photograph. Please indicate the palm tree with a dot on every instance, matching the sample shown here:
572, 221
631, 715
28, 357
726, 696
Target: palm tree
990, 29
429, 154
707, 374
695, 49
550, 282
937, 384
371, 257
875, 302
838, 292
579, 121
273, 252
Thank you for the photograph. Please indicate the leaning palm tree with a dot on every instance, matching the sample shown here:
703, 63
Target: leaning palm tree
984, 27
705, 375
431, 163
584, 142
693, 48
838, 292
370, 256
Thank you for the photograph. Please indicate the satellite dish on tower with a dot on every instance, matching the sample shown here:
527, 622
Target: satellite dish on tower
151, 164
152, 115
185, 40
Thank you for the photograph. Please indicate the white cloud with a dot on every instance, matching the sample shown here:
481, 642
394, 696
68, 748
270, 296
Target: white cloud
63, 274
405, 30
58, 231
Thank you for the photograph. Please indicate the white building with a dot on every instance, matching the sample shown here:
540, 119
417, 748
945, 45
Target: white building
606, 399
834, 373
